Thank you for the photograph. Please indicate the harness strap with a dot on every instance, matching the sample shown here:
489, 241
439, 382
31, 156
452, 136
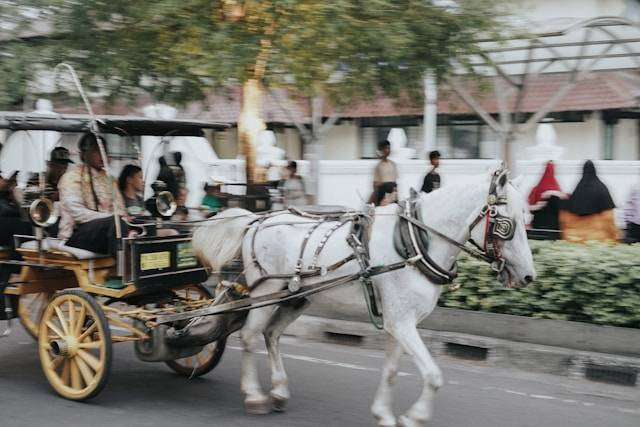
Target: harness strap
461, 246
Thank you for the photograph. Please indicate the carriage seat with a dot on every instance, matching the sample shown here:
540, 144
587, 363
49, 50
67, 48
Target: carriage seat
321, 210
58, 245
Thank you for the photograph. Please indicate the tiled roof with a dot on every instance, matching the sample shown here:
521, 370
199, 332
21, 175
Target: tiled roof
597, 91
225, 107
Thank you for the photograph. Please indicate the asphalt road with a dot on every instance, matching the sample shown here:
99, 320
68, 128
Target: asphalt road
332, 385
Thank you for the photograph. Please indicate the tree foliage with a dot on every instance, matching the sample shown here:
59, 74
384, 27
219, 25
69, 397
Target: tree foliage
176, 50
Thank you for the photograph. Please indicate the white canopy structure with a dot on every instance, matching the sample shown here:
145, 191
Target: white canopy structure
28, 151
573, 47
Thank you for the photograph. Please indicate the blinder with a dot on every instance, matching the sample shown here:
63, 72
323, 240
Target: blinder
504, 227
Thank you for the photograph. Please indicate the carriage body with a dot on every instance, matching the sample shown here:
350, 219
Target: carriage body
64, 299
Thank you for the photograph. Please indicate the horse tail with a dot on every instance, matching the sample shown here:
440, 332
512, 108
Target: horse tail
219, 240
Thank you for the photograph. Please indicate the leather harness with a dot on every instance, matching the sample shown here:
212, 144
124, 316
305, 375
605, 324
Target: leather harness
411, 240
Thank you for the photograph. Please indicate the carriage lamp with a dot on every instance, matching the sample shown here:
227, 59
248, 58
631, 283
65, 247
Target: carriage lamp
162, 204
42, 213
165, 204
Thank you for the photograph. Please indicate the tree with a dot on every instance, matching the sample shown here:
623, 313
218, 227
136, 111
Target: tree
339, 50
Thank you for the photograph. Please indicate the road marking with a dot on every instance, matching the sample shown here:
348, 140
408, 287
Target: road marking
324, 362
519, 393
570, 401
542, 396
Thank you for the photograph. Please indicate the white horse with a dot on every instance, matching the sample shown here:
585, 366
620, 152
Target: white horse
406, 295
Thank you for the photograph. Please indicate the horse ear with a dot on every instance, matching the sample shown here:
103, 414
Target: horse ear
413, 194
517, 182
502, 177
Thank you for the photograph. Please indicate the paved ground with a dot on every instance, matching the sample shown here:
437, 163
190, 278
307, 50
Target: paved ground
332, 385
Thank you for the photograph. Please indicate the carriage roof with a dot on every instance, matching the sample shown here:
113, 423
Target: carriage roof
121, 125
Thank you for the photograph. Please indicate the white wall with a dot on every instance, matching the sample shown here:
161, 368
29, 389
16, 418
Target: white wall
341, 143
626, 140
349, 182
581, 140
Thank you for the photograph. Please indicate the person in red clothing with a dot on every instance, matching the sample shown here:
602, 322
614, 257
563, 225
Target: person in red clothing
544, 204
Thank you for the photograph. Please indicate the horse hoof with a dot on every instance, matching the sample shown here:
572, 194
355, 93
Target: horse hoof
278, 403
404, 421
385, 421
257, 407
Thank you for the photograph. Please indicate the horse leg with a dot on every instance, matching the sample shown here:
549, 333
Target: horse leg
412, 343
283, 317
381, 407
255, 402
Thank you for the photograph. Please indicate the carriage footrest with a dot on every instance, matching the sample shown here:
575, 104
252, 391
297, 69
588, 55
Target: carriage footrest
32, 264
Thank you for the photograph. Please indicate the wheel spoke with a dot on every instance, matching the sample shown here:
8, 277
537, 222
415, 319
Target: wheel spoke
76, 382
86, 373
90, 345
66, 373
63, 322
54, 329
72, 315
55, 363
91, 329
90, 359
201, 359
80, 321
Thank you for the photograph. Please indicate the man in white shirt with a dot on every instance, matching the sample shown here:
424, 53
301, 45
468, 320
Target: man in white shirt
385, 171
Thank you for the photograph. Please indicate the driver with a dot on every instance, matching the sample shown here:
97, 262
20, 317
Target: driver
88, 198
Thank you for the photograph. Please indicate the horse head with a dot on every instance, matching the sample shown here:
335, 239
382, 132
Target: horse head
503, 233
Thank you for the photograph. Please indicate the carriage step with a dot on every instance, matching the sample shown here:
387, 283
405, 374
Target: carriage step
32, 264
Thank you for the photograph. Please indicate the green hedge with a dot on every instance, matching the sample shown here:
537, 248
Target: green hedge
596, 283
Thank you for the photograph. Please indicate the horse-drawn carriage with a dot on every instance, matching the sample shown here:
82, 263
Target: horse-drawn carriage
61, 294
399, 254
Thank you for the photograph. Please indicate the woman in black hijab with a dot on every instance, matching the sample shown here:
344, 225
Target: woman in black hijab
588, 214
591, 196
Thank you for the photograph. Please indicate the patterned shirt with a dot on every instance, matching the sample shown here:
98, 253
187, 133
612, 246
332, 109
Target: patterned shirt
632, 208
86, 194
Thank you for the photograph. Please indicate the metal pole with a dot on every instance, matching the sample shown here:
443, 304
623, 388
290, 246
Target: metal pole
430, 116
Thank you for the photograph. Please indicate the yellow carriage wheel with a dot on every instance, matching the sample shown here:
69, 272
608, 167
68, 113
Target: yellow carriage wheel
30, 311
205, 361
74, 343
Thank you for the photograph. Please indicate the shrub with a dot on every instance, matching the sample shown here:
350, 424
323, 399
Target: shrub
597, 283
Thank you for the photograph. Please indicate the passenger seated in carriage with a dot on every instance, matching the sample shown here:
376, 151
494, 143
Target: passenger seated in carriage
131, 184
10, 220
88, 199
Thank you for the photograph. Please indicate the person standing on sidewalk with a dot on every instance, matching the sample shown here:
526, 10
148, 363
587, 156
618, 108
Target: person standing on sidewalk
588, 213
632, 215
432, 179
385, 171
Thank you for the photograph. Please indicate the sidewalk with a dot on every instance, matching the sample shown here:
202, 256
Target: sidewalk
610, 368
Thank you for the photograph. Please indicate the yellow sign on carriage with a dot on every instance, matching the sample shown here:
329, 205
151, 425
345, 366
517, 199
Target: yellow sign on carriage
155, 260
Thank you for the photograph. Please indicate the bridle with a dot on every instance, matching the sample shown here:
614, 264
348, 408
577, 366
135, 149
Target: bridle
497, 228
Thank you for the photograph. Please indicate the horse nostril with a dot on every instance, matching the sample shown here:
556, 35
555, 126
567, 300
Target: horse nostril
528, 279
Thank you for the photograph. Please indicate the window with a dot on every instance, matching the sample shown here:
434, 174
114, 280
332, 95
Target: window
609, 133
465, 140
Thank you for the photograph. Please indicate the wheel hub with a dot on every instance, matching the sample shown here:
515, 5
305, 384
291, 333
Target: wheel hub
66, 347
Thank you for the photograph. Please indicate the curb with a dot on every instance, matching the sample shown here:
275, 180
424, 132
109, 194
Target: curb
603, 367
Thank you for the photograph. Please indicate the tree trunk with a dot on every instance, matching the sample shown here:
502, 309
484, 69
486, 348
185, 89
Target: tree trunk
250, 125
